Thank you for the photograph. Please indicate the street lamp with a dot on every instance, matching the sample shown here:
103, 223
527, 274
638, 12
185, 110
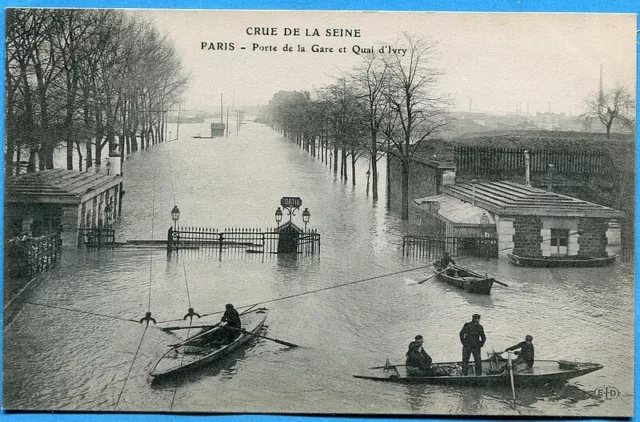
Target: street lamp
278, 216
306, 215
175, 216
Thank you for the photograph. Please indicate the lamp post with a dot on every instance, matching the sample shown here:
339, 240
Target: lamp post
175, 216
278, 216
306, 215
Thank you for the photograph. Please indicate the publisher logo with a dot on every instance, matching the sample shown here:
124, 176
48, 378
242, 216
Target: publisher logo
607, 392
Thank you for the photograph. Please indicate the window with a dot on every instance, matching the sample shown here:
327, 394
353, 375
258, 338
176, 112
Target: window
559, 241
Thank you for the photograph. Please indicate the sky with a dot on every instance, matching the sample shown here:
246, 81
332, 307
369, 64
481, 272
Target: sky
490, 62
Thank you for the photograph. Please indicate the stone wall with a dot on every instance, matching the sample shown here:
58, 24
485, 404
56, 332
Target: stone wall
423, 182
527, 237
593, 236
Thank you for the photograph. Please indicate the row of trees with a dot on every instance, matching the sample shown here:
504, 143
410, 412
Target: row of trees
84, 79
389, 103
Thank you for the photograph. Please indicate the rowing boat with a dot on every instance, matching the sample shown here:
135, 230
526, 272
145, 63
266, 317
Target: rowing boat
207, 346
494, 373
465, 279
561, 261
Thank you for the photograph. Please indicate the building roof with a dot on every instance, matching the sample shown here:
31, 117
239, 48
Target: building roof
57, 186
508, 198
455, 211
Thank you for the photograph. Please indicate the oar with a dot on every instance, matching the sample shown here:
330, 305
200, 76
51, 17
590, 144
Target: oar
285, 343
430, 277
500, 282
182, 327
513, 387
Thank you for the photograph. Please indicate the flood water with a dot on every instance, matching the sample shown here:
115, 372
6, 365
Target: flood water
71, 344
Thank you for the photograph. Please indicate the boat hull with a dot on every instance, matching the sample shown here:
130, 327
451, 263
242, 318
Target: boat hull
186, 357
554, 262
542, 373
466, 280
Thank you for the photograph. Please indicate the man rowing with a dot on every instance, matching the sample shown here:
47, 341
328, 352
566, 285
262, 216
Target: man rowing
233, 326
526, 354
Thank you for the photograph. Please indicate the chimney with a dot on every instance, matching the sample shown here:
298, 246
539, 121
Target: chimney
551, 166
527, 168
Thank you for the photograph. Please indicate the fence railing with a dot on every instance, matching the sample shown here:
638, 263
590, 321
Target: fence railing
494, 161
96, 237
27, 256
251, 240
435, 246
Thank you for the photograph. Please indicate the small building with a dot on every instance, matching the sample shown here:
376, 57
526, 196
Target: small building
62, 201
426, 178
525, 221
217, 129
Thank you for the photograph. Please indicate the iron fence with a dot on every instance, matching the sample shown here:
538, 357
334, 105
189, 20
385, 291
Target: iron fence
249, 240
96, 237
435, 246
27, 256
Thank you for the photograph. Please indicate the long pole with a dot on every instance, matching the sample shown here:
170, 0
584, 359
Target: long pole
227, 121
513, 387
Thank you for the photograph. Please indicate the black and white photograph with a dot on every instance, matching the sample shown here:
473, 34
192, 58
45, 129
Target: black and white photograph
319, 212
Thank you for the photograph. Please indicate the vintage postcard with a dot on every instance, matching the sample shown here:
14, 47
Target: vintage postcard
383, 213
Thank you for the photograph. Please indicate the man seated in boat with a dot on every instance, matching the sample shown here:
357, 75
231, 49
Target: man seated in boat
446, 262
418, 361
233, 326
526, 354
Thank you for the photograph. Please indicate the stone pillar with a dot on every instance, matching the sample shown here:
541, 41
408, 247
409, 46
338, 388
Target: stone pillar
545, 245
573, 246
614, 238
505, 231
70, 220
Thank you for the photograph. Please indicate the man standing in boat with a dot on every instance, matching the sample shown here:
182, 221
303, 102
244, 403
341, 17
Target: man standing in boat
526, 354
234, 325
472, 338
418, 361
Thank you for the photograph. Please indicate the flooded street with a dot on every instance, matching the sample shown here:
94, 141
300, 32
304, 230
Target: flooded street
60, 359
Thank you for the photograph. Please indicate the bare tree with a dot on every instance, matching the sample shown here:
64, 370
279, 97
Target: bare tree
371, 79
416, 110
615, 105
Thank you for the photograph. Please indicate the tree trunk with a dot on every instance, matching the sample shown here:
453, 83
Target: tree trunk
335, 158
405, 190
374, 175
353, 168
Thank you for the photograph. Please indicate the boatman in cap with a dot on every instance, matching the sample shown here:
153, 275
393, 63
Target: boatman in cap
233, 326
418, 361
526, 354
445, 262
472, 338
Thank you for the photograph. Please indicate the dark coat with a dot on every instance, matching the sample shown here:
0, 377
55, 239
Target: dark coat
232, 318
445, 260
527, 352
472, 335
417, 357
